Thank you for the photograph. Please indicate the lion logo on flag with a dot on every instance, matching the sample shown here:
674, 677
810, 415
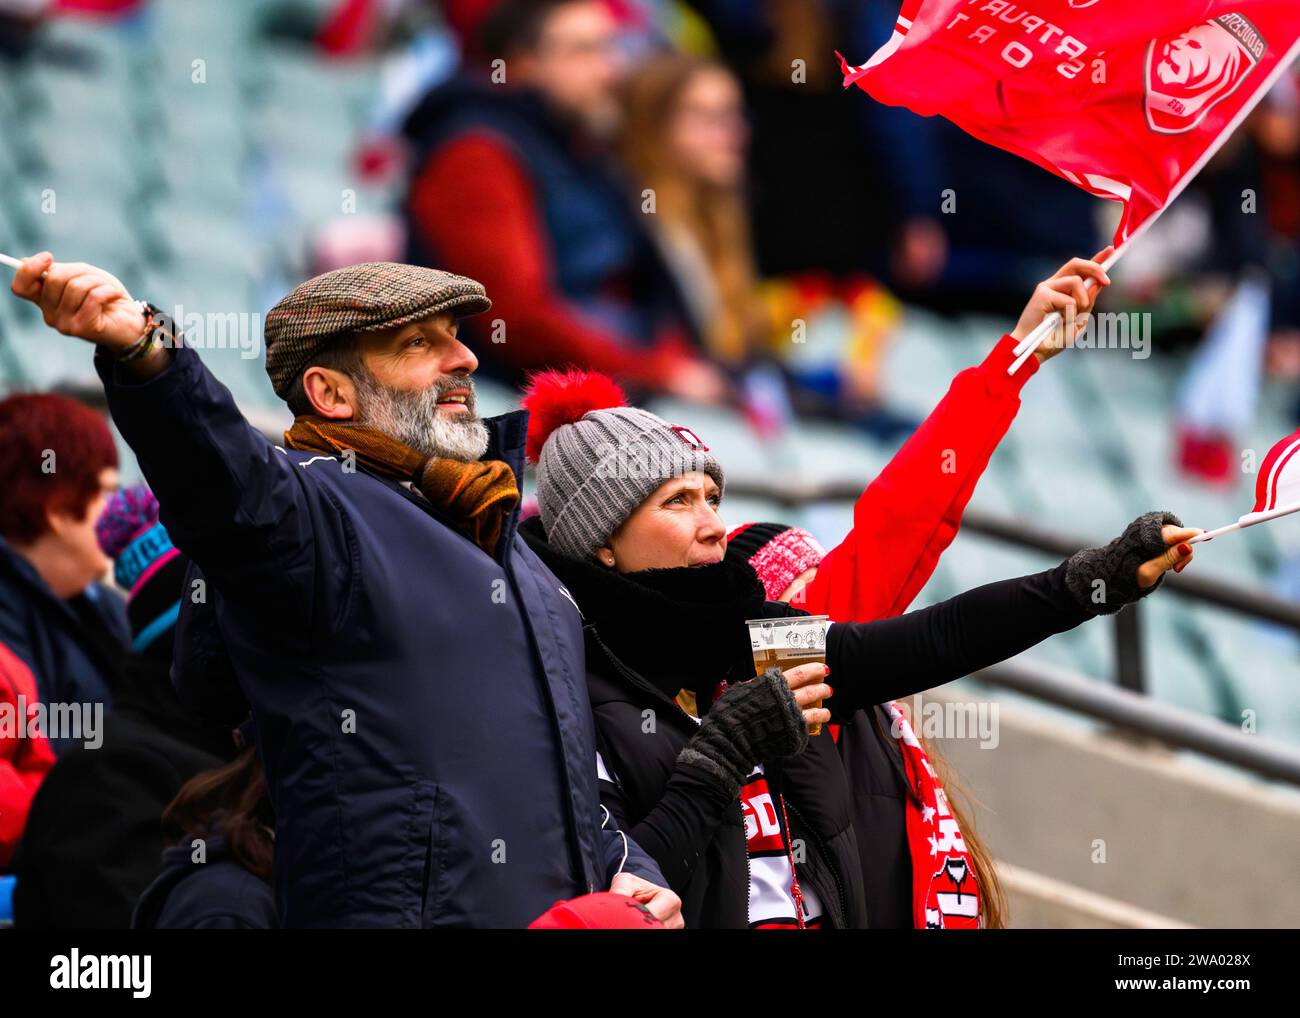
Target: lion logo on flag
1191, 73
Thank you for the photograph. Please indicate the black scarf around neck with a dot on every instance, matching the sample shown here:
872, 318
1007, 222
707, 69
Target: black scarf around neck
680, 628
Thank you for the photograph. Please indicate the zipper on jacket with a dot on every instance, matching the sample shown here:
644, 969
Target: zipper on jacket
575, 834
749, 874
636, 679
826, 859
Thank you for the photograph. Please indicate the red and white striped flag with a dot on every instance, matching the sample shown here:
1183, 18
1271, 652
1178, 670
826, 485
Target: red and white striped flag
1278, 484
1277, 488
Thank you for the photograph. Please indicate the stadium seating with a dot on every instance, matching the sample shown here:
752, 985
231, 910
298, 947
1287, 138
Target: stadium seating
201, 194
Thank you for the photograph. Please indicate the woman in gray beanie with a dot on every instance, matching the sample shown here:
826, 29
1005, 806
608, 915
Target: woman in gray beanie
711, 769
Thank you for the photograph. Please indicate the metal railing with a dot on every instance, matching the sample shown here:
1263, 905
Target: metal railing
1130, 672
1126, 707
1134, 712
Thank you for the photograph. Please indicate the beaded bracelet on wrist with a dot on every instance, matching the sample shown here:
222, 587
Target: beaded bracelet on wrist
147, 339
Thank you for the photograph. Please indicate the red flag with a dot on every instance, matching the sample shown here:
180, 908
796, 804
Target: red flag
349, 28
1126, 100
95, 8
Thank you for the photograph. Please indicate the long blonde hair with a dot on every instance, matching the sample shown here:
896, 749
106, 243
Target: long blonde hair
714, 218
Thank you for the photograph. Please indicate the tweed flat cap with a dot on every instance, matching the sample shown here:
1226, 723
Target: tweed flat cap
359, 298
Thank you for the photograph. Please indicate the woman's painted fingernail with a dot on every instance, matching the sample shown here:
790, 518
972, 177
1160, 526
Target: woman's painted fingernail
1184, 550
828, 669
830, 690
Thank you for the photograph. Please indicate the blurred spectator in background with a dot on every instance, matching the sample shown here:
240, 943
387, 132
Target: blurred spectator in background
216, 874
24, 762
1246, 266
685, 137
1220, 393
846, 187
19, 20
95, 832
1277, 132
58, 465
814, 201
513, 185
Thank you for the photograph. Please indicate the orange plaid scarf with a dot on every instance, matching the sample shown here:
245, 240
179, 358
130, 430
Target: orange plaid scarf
479, 497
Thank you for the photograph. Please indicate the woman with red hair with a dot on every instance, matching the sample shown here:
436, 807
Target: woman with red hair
58, 463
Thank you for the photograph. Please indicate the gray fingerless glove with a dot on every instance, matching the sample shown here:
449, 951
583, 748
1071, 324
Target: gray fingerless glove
1116, 566
751, 722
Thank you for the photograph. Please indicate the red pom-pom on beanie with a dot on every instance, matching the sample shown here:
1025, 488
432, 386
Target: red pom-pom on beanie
555, 398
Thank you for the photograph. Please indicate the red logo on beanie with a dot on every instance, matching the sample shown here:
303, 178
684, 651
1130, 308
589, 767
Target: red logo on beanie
690, 438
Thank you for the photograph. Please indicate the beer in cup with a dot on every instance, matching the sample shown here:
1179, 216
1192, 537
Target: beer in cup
788, 643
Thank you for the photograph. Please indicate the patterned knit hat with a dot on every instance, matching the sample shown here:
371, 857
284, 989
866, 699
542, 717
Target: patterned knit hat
360, 298
599, 459
778, 553
145, 564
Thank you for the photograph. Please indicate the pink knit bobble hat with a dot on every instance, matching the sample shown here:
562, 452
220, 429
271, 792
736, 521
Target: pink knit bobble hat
778, 553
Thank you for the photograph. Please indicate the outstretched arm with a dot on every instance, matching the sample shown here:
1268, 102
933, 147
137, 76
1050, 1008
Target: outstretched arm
228, 497
909, 515
872, 662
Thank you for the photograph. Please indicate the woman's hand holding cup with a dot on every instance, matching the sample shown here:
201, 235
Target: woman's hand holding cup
809, 688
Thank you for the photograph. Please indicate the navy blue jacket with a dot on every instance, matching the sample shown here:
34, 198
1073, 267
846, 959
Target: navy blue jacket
75, 648
216, 894
422, 706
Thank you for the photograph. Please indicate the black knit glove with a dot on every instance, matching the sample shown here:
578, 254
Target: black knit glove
1116, 566
751, 722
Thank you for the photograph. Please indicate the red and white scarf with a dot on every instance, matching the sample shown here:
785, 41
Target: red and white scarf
945, 891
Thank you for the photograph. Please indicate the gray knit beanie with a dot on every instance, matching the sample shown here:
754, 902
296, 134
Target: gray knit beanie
598, 460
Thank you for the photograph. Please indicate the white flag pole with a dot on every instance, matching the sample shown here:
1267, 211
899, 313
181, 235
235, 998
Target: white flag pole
1026, 347
1210, 535
1049, 325
1249, 520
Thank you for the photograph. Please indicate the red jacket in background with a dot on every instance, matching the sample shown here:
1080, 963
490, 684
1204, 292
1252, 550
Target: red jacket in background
911, 512
473, 197
24, 762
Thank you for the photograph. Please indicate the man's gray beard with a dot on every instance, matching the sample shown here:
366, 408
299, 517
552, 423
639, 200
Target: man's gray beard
413, 418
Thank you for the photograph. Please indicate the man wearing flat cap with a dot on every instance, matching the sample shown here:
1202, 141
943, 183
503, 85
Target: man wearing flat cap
416, 673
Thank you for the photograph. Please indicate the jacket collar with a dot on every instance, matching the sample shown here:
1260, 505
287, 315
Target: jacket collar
507, 434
